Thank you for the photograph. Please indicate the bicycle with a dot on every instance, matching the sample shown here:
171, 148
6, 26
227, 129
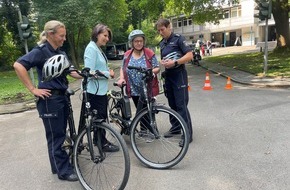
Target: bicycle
147, 129
95, 168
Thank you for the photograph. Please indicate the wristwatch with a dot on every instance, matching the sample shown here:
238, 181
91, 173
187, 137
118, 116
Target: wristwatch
175, 63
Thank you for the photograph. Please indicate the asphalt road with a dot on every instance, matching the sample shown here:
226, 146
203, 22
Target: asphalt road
241, 141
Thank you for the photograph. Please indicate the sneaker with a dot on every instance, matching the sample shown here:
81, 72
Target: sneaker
109, 147
169, 134
146, 135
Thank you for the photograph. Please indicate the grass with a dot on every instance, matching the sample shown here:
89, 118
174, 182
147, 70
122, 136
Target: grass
12, 89
278, 63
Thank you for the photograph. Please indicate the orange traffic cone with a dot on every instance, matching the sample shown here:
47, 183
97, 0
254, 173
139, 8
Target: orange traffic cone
207, 83
229, 85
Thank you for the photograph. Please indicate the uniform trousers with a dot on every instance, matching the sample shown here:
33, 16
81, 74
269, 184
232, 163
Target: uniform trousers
176, 85
54, 113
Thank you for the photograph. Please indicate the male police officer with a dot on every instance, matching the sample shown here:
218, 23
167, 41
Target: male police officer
175, 52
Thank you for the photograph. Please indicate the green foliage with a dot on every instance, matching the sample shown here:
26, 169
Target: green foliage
8, 50
200, 11
80, 16
152, 39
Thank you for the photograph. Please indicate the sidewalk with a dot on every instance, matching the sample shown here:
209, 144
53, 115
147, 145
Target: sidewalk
235, 75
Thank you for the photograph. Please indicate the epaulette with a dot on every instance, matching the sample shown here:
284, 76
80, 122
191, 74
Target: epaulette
40, 46
177, 35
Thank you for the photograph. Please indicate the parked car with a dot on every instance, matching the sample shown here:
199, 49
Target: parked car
116, 51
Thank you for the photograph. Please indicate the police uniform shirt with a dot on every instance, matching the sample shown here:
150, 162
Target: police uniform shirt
36, 58
175, 45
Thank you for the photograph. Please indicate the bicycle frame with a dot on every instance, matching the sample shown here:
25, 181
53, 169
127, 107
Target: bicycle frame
87, 116
119, 96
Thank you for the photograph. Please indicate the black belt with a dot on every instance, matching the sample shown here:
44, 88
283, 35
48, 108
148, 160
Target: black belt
57, 92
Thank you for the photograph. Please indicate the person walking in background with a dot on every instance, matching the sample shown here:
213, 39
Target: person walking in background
175, 53
95, 59
52, 104
138, 56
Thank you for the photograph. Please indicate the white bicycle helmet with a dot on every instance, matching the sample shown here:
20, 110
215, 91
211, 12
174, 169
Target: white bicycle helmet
174, 56
134, 34
54, 67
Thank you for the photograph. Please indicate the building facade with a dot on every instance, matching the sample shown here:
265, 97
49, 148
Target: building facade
237, 26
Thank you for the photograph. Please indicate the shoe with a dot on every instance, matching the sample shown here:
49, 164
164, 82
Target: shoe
71, 177
169, 134
109, 147
181, 142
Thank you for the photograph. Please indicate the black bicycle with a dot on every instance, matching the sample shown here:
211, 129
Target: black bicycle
149, 140
95, 167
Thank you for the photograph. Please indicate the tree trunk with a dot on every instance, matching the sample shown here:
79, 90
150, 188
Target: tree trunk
71, 41
280, 12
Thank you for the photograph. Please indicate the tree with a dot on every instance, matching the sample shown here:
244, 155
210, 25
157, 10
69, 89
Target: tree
202, 11
80, 16
10, 43
280, 10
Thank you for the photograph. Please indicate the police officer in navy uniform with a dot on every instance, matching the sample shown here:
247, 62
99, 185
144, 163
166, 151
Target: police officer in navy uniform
175, 52
52, 103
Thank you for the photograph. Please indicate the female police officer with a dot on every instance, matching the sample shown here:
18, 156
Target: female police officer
174, 54
52, 104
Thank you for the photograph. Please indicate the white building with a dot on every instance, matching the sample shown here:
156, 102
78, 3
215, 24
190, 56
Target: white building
238, 22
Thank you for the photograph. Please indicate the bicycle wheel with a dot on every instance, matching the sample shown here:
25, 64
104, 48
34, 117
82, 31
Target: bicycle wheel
155, 149
110, 171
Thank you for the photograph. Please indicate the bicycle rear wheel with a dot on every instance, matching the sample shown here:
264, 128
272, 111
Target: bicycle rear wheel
155, 149
110, 171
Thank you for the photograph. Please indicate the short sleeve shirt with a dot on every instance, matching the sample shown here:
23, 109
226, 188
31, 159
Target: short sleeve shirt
174, 44
36, 58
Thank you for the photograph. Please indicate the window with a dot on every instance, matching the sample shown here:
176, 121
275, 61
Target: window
189, 22
174, 23
234, 13
226, 14
184, 22
179, 23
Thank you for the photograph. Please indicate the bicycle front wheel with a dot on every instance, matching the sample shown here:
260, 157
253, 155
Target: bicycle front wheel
103, 169
150, 140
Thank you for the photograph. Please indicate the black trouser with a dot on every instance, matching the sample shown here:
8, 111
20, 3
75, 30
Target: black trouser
176, 84
100, 103
54, 113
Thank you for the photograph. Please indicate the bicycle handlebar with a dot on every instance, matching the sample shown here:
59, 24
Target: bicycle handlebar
86, 72
148, 72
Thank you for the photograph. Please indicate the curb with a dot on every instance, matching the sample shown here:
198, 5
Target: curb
28, 105
17, 107
255, 84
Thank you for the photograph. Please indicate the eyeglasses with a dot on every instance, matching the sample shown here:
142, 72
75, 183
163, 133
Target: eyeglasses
138, 41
